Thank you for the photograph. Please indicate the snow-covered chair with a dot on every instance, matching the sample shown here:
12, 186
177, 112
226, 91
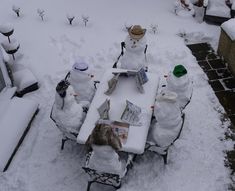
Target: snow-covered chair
218, 11
166, 126
105, 177
103, 164
66, 113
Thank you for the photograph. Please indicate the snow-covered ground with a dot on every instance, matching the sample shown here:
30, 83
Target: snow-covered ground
49, 49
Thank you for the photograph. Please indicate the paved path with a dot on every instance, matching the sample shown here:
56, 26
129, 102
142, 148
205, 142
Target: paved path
223, 83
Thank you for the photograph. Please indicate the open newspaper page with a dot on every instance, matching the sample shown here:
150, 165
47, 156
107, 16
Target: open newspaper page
104, 109
112, 83
121, 130
131, 114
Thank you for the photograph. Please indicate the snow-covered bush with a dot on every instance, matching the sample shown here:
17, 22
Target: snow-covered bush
153, 28
70, 18
183, 35
85, 19
16, 10
41, 13
127, 26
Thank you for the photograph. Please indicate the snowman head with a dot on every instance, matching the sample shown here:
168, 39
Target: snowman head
136, 41
80, 70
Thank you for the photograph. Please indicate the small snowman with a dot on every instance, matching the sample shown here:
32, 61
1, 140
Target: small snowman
179, 82
184, 8
67, 113
136, 46
168, 119
82, 83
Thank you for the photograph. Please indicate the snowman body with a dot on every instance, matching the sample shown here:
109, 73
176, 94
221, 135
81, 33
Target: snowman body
134, 56
182, 10
67, 113
168, 122
83, 85
182, 86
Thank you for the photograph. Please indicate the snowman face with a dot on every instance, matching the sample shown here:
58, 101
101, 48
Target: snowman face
135, 45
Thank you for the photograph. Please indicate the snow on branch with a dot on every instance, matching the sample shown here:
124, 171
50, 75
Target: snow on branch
41, 13
16, 10
70, 18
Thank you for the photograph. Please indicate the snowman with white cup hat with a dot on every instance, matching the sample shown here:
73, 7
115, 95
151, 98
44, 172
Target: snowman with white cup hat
82, 82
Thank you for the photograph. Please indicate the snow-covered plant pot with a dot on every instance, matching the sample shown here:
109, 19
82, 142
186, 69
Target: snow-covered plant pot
41, 13
70, 18
11, 48
85, 19
16, 10
7, 30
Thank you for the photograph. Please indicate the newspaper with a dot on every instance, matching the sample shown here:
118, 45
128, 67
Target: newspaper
120, 129
139, 85
104, 109
112, 84
131, 114
141, 75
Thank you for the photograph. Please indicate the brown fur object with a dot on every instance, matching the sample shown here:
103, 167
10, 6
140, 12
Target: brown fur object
103, 134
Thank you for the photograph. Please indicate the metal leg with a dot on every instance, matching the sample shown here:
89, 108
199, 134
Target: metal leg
165, 157
63, 141
89, 185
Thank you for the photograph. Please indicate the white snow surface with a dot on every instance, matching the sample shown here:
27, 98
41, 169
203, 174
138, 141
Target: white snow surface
229, 28
49, 49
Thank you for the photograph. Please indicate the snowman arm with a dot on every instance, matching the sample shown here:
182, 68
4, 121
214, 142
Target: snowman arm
95, 83
122, 47
145, 50
67, 76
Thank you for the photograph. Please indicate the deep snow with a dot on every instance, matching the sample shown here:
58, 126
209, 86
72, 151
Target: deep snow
49, 49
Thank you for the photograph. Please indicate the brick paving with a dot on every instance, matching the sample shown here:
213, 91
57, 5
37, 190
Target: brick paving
223, 83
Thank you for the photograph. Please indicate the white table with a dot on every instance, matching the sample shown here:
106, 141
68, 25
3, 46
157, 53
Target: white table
125, 90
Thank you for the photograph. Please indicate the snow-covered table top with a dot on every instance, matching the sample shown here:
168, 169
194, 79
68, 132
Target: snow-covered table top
229, 28
126, 90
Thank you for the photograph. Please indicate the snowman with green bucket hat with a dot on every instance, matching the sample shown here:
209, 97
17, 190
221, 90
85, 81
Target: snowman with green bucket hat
179, 82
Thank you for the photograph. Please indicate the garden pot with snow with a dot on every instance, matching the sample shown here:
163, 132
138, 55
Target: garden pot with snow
11, 48
7, 30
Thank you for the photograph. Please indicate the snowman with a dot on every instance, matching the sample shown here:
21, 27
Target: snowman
184, 8
82, 83
168, 121
67, 113
135, 45
179, 82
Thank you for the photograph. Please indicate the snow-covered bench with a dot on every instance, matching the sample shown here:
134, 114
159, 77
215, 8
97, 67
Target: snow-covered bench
218, 11
16, 115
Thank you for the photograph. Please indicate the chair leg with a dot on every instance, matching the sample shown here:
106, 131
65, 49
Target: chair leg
89, 185
165, 158
62, 143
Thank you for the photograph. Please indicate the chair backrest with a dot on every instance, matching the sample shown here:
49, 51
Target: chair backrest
101, 177
65, 132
